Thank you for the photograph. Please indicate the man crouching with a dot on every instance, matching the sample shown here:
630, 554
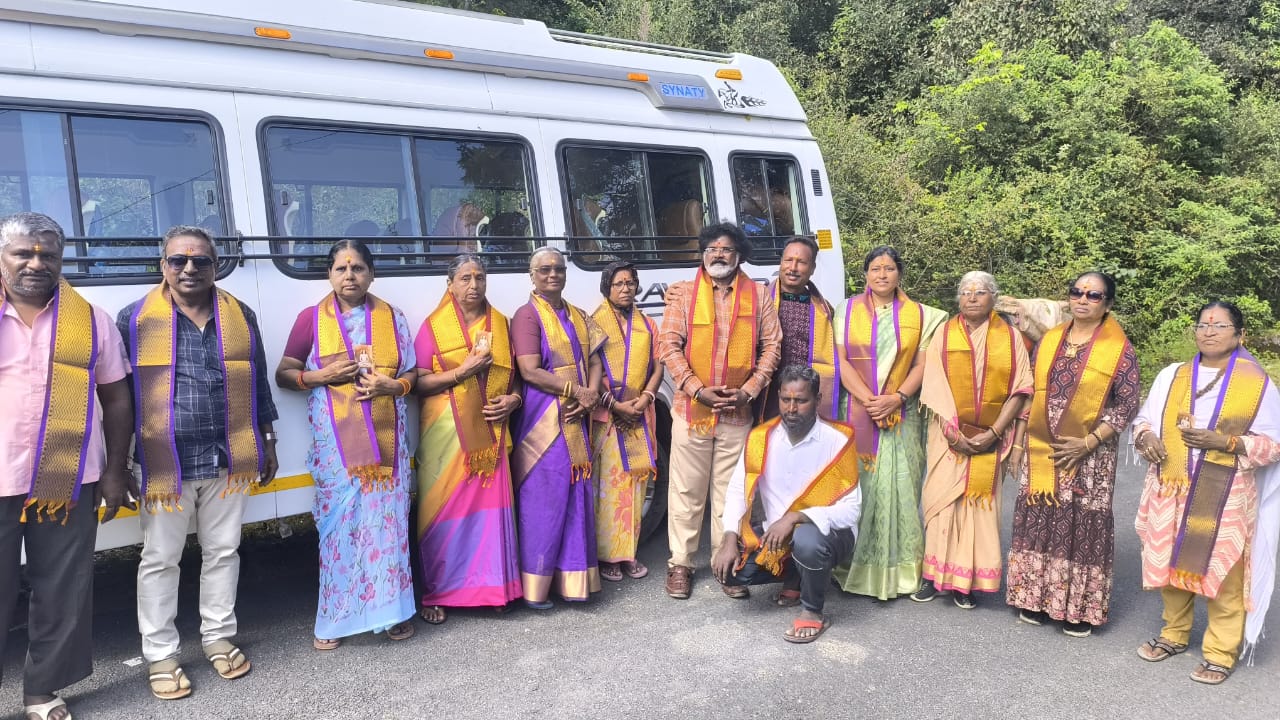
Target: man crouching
805, 473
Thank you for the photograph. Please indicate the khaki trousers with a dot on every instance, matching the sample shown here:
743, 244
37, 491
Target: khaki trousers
1221, 645
218, 519
700, 465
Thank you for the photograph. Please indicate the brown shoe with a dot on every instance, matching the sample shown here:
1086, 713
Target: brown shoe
737, 592
679, 580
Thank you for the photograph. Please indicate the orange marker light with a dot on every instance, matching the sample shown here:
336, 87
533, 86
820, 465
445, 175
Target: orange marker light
438, 54
729, 74
273, 33
638, 77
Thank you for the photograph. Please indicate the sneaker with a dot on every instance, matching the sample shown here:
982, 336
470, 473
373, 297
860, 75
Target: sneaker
964, 601
1031, 617
1077, 629
927, 592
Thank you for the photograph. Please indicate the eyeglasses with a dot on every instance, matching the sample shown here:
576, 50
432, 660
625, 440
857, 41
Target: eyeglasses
720, 251
625, 284
179, 262
1092, 296
974, 293
1220, 327
545, 270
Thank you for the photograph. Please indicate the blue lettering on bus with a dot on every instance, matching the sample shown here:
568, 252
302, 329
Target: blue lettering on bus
692, 92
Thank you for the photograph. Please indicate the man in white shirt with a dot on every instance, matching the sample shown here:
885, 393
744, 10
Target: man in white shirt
804, 471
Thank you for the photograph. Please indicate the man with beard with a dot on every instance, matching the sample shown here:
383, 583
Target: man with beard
804, 472
61, 359
805, 317
720, 341
203, 414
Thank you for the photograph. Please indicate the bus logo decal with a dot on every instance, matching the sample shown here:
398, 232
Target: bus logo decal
690, 92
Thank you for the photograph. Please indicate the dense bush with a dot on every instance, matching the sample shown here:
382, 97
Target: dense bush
1034, 139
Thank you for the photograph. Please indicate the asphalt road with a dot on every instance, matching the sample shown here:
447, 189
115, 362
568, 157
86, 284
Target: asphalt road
633, 653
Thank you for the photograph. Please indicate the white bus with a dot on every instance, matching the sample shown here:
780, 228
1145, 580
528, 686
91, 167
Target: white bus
283, 126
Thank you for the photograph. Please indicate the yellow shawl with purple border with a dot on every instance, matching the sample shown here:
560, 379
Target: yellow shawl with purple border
481, 440
569, 362
822, 346
836, 480
154, 332
1088, 397
979, 403
704, 338
58, 471
1207, 476
365, 430
628, 362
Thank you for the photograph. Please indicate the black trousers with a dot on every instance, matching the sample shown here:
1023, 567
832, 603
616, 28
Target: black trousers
813, 557
60, 569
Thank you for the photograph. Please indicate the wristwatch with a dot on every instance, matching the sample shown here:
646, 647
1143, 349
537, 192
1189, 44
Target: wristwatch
269, 436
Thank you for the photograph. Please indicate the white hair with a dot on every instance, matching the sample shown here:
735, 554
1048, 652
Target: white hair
543, 251
978, 277
26, 224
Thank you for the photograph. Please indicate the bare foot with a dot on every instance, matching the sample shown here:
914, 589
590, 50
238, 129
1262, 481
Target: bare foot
433, 614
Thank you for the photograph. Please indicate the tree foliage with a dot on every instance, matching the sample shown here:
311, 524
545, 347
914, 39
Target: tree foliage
1035, 139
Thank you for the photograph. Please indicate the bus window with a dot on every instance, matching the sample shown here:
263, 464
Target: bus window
416, 200
134, 177
33, 166
770, 203
646, 206
475, 194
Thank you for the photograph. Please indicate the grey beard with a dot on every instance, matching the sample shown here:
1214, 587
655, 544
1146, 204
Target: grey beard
720, 272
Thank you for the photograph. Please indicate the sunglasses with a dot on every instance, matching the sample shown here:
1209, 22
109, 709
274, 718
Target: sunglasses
549, 270
1092, 296
179, 262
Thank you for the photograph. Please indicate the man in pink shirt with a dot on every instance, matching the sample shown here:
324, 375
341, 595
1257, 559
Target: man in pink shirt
64, 444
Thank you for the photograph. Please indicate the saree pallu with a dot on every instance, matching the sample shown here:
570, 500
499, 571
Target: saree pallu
1062, 552
887, 558
466, 521
555, 503
623, 457
366, 584
961, 533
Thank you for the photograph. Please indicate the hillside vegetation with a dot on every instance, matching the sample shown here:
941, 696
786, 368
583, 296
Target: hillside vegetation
1031, 138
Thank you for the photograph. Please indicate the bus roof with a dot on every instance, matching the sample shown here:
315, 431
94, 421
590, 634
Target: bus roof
414, 34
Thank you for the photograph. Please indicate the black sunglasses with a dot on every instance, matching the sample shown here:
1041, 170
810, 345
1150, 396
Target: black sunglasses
179, 262
1092, 295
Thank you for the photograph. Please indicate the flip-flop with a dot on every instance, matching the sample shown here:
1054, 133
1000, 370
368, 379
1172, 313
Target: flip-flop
227, 660
401, 631
325, 645
611, 572
787, 598
1207, 667
44, 710
168, 671
1157, 649
440, 615
635, 569
801, 624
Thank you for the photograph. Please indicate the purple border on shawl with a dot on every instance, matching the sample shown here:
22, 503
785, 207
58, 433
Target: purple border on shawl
253, 397
1195, 459
563, 316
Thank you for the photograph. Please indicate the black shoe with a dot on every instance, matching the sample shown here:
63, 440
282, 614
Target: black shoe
964, 601
1031, 617
1077, 629
927, 592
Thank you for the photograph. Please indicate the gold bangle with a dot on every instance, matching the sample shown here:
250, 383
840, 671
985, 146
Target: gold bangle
406, 385
1233, 444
